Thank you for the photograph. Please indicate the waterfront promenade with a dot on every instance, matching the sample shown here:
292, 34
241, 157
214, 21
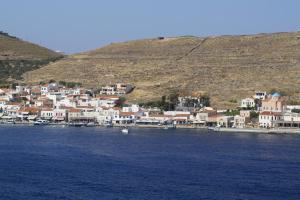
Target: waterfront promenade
211, 129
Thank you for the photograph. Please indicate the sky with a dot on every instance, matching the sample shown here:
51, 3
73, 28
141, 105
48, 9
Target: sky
74, 26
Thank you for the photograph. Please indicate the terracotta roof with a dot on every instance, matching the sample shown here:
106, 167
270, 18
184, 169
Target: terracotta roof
104, 97
126, 113
30, 109
74, 110
13, 104
216, 116
47, 109
268, 113
36, 90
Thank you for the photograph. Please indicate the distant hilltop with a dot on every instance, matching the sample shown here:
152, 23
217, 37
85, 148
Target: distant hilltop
226, 68
18, 56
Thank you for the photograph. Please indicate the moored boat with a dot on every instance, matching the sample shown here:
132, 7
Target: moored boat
41, 122
125, 131
77, 124
108, 125
90, 124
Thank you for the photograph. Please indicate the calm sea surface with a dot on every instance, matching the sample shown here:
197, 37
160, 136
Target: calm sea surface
98, 163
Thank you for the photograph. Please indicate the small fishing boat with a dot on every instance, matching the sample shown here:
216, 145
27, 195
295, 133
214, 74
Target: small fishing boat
125, 131
108, 125
77, 124
41, 122
90, 124
10, 122
214, 128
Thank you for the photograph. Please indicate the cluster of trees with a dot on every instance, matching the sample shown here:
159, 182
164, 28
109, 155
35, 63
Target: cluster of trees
7, 35
4, 84
296, 110
16, 68
170, 102
63, 83
165, 103
121, 102
253, 114
70, 84
203, 101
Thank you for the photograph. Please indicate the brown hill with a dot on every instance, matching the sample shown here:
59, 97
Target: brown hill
18, 56
227, 67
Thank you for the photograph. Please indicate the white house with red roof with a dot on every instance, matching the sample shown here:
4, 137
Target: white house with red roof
267, 119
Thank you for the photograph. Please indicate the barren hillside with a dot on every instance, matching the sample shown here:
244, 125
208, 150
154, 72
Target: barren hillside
226, 67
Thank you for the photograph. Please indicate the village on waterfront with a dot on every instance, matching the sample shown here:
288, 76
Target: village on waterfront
70, 104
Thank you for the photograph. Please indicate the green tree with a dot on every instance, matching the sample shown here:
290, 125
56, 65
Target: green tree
254, 115
120, 102
52, 81
296, 110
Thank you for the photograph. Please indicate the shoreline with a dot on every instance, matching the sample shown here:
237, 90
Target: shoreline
221, 130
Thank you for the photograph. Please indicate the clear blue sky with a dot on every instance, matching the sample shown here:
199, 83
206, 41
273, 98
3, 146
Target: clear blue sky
80, 25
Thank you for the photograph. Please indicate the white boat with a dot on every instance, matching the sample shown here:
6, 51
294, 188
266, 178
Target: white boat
41, 122
125, 131
214, 128
107, 125
11, 121
91, 124
77, 124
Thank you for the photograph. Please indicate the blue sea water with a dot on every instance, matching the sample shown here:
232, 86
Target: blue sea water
100, 163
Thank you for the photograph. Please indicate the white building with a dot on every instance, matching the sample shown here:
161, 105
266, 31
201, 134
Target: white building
124, 118
260, 95
59, 114
105, 101
106, 115
133, 108
174, 113
108, 90
247, 103
268, 119
47, 114
3, 103
44, 90
12, 108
